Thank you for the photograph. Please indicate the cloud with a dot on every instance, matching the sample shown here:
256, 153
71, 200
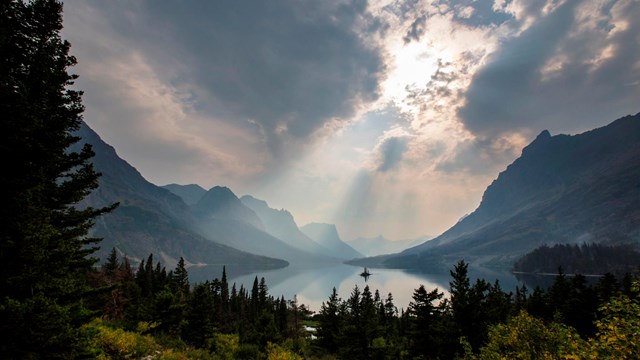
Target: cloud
571, 69
391, 151
417, 104
416, 30
288, 66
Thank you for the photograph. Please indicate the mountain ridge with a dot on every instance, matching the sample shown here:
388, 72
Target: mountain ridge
281, 224
189, 193
151, 219
562, 189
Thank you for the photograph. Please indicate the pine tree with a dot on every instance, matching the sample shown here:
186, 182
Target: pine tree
180, 279
44, 248
199, 316
111, 264
424, 317
331, 323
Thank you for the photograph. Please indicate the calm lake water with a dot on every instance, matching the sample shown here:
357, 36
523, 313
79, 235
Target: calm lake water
312, 285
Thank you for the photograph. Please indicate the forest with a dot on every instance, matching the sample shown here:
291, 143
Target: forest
594, 258
152, 311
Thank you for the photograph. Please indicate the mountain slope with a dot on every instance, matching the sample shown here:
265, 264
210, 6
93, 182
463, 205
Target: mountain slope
190, 194
221, 203
562, 189
327, 236
220, 214
280, 223
151, 219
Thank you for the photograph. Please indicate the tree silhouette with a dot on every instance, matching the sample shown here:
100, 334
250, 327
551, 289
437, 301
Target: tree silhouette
44, 247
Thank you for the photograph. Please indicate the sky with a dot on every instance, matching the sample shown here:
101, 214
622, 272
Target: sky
384, 117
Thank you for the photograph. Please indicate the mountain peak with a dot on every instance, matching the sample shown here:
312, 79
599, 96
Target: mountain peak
543, 135
221, 189
190, 193
221, 202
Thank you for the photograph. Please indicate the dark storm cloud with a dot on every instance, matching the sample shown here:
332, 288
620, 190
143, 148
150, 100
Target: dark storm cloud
391, 152
511, 93
289, 66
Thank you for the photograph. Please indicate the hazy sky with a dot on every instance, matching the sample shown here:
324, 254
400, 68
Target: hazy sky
384, 117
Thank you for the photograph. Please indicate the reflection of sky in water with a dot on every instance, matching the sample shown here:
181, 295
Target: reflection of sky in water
313, 285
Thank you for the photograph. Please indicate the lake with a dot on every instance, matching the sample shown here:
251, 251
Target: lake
312, 285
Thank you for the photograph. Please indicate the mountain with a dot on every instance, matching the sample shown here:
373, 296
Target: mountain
562, 190
221, 203
221, 215
380, 245
327, 236
280, 224
190, 194
151, 219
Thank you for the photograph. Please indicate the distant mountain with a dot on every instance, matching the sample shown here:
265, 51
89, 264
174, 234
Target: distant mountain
280, 224
221, 215
380, 245
221, 203
190, 194
151, 219
327, 236
562, 190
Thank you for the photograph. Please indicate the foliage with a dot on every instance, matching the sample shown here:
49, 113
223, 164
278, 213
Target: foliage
526, 337
226, 345
276, 352
619, 329
112, 342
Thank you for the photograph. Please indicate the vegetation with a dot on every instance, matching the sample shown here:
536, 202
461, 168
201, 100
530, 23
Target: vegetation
152, 311
581, 259
44, 248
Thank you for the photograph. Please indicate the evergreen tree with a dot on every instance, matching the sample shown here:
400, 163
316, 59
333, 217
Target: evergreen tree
199, 316
425, 315
255, 299
461, 302
368, 324
180, 279
331, 323
352, 347
111, 265
44, 248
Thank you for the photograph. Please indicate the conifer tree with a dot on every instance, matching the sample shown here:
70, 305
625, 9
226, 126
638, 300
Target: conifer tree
331, 323
111, 264
44, 247
180, 278
199, 316
425, 315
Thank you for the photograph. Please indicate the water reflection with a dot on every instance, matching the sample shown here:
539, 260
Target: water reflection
313, 284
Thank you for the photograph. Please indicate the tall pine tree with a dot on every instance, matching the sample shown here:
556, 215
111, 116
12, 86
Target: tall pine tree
44, 248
